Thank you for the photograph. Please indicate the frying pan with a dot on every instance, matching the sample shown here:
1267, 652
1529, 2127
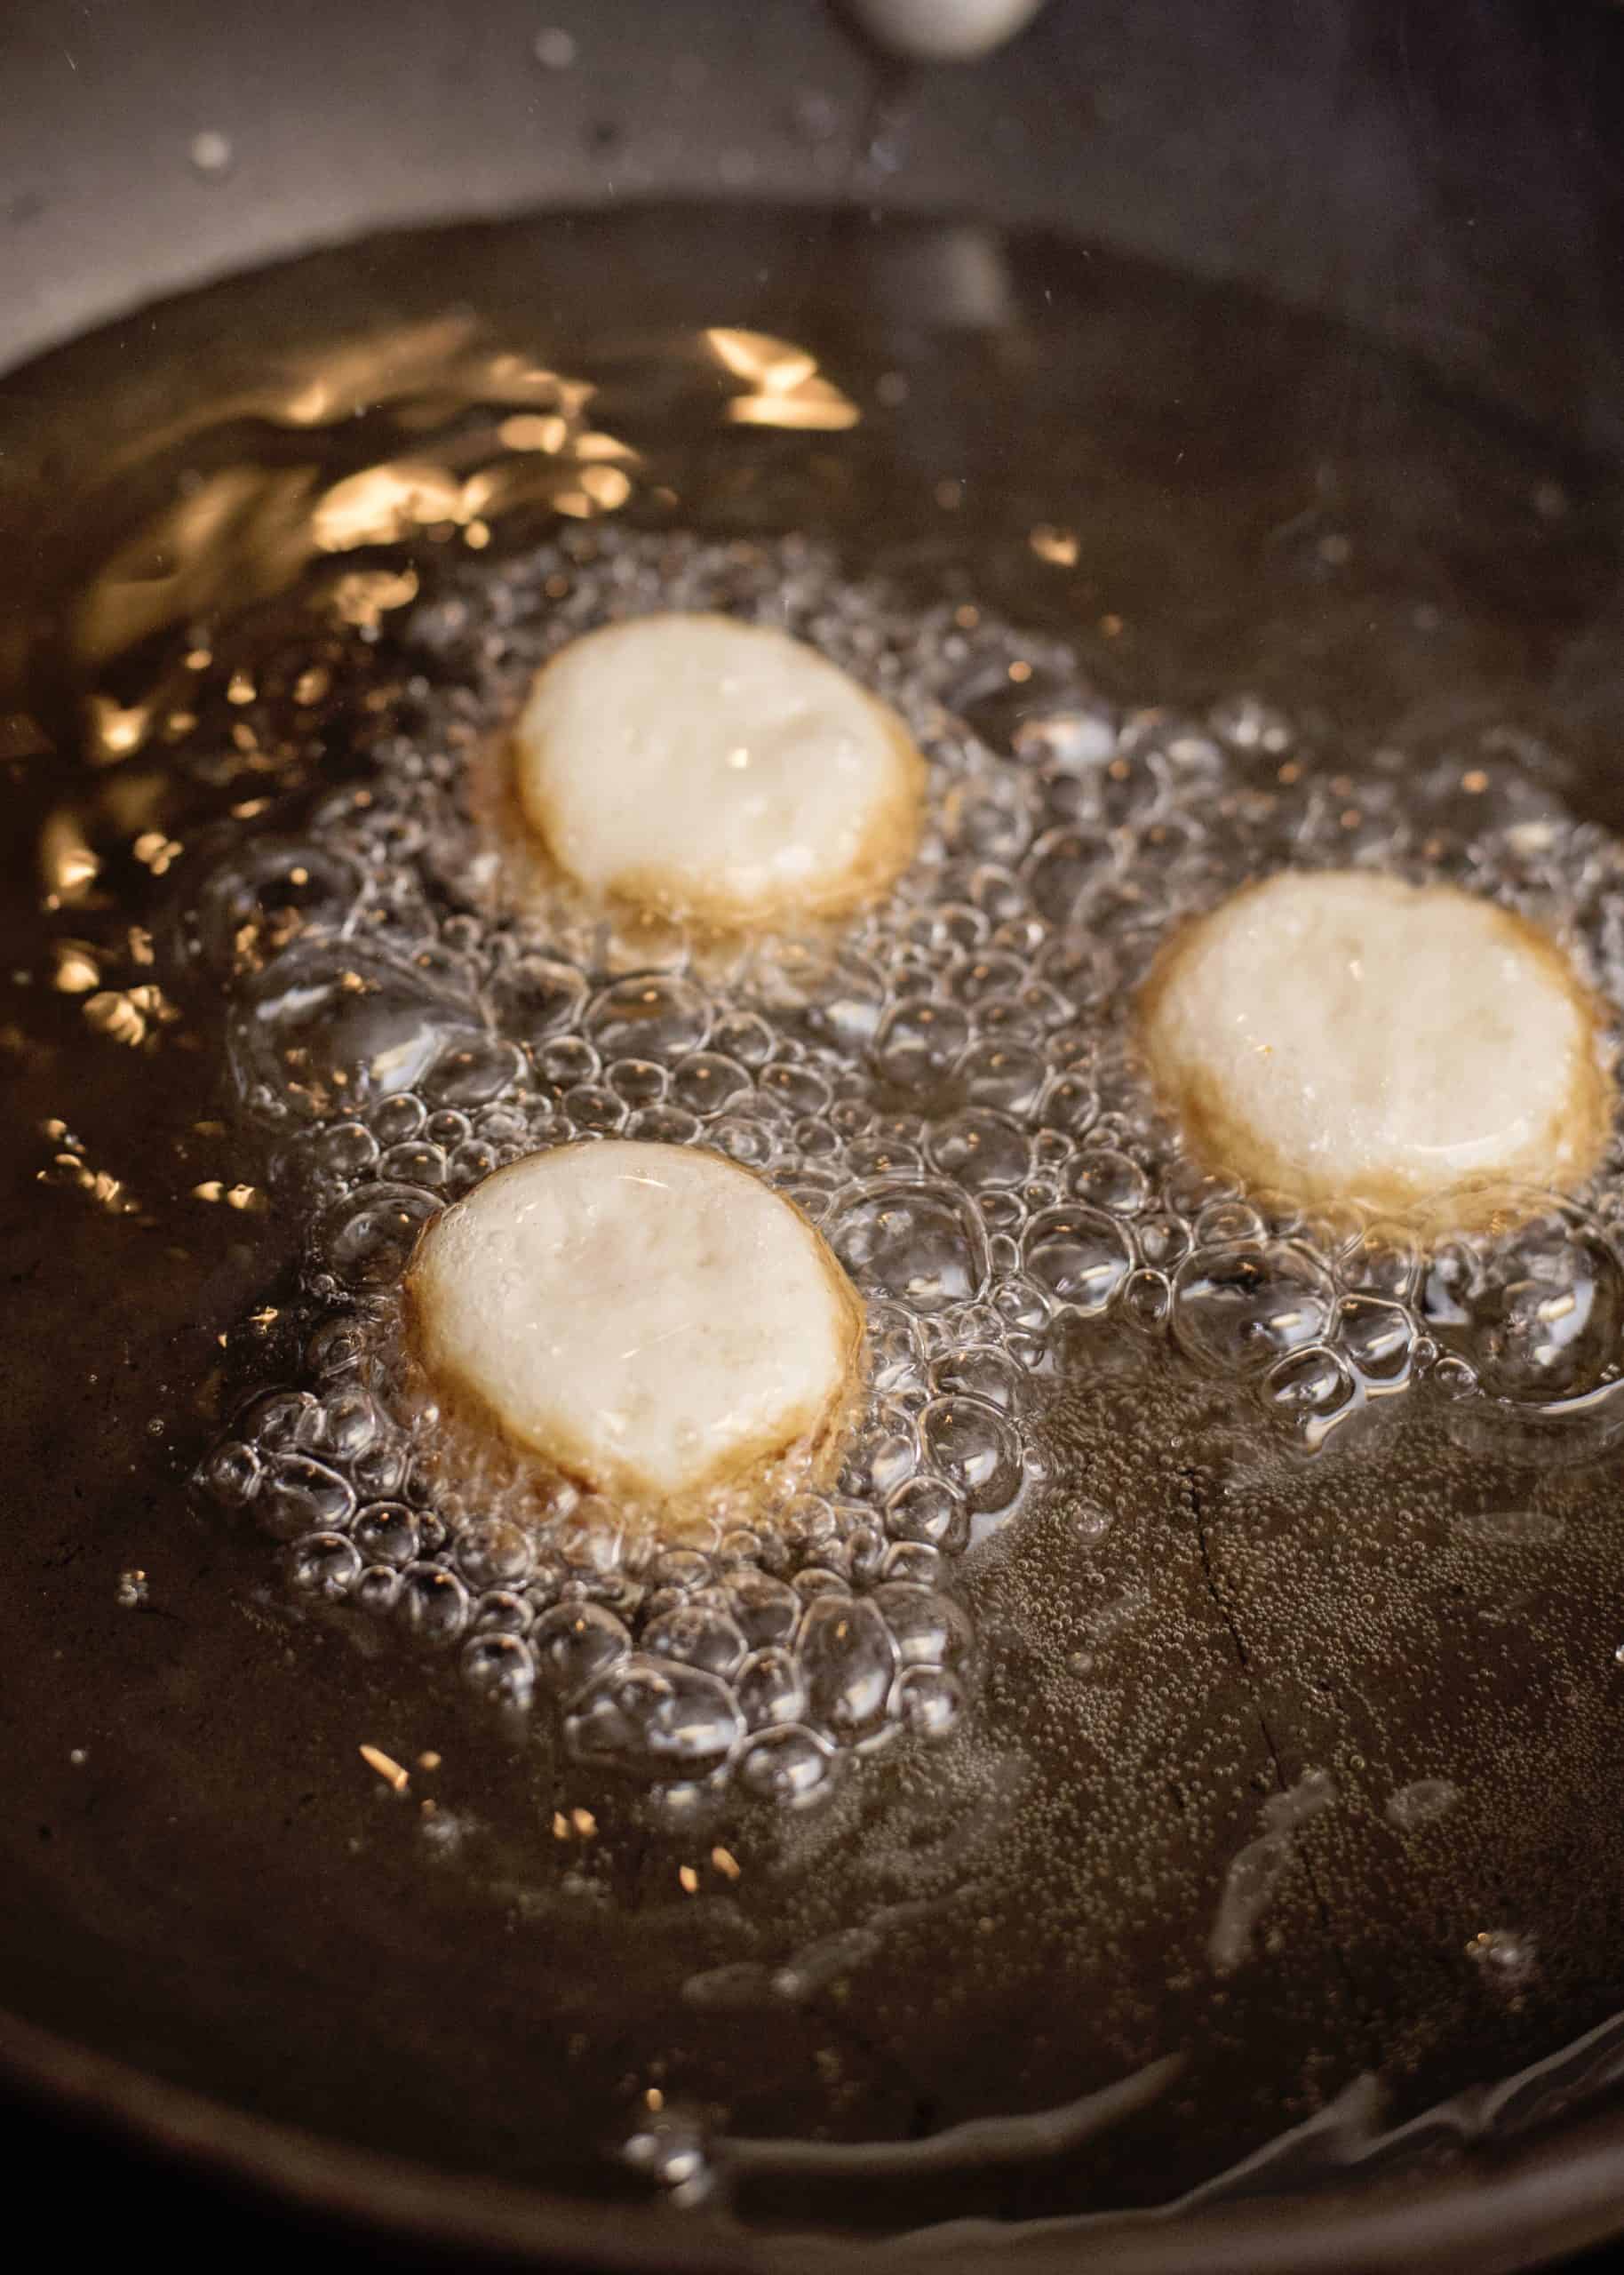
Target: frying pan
181, 1958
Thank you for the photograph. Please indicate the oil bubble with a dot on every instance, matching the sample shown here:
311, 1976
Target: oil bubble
1078, 1256
945, 1082
1239, 1307
791, 1766
851, 1660
652, 1015
929, 1701
699, 1635
771, 1688
334, 1025
576, 1642
973, 1448
433, 1604
324, 1564
298, 1494
500, 1667
366, 1239
655, 1719
918, 1242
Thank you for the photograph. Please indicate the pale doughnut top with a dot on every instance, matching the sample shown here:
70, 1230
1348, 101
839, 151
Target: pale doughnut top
698, 766
1340, 1033
652, 1320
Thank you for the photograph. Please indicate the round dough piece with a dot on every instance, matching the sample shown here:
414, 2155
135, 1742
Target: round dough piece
944, 31
652, 1320
697, 766
1340, 1033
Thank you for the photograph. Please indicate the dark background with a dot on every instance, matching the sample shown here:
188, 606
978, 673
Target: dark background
100, 2196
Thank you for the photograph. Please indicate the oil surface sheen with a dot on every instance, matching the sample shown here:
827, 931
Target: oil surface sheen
1181, 1706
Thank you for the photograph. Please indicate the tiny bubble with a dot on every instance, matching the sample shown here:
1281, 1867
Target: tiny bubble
211, 152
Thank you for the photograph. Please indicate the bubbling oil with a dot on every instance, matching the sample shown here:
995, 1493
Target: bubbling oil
948, 1085
1175, 1511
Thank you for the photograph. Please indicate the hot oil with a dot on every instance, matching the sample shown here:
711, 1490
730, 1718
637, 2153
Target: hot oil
947, 1086
1058, 1731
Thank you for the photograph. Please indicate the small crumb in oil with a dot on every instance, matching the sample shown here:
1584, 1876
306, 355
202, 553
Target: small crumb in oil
116, 730
68, 865
726, 1864
1057, 547
530, 430
689, 1879
78, 971
155, 850
118, 1015
386, 1767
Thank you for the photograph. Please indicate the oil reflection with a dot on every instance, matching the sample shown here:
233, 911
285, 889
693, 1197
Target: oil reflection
784, 387
324, 484
424, 436
424, 433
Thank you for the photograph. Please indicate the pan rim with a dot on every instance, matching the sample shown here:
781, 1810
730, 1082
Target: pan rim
1561, 2191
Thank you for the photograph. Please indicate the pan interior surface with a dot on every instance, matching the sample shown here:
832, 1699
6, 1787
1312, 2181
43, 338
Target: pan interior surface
1282, 1812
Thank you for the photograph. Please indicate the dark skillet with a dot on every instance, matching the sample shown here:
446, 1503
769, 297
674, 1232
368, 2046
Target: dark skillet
184, 1903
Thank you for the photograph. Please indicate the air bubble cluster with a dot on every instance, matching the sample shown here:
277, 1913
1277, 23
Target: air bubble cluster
947, 1085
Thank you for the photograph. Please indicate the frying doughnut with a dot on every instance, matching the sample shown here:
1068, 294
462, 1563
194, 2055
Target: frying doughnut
701, 767
651, 1321
1344, 1034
